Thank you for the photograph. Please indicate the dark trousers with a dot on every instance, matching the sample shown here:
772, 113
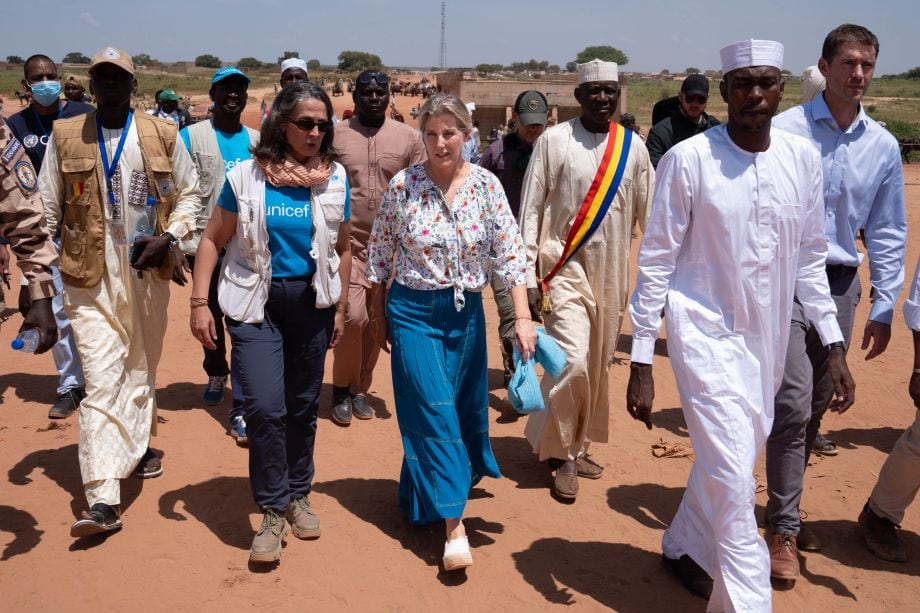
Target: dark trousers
281, 364
215, 360
801, 402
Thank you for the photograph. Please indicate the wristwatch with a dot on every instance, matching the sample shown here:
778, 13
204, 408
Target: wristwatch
173, 241
835, 345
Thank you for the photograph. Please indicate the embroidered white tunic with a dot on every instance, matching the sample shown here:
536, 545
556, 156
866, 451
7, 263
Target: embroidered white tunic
732, 237
589, 294
120, 324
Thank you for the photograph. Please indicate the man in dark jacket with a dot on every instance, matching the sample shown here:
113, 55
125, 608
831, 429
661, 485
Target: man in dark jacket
507, 158
689, 120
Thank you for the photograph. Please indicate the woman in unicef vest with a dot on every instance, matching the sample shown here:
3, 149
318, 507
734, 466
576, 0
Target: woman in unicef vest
283, 217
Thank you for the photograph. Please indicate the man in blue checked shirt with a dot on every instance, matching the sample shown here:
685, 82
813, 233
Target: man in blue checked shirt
863, 189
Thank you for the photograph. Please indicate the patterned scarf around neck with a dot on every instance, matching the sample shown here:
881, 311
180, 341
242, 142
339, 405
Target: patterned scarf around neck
291, 173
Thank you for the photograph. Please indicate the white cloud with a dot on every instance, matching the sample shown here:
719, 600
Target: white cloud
87, 18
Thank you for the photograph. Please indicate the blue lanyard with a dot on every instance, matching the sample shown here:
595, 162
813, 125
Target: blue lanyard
110, 170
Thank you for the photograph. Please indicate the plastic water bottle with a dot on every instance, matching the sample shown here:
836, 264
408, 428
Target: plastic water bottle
26, 341
145, 226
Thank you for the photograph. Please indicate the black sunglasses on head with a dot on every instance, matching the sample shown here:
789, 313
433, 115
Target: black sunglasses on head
306, 124
366, 77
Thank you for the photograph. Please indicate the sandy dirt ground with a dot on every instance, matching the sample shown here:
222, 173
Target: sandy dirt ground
187, 533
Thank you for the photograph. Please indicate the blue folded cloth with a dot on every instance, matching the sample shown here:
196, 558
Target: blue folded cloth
524, 388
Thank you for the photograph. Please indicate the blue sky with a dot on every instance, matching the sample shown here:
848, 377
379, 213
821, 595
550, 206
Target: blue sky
655, 35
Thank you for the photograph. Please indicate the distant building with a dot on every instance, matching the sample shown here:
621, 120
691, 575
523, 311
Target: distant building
494, 99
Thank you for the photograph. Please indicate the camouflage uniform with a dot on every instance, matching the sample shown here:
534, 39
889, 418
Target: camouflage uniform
22, 219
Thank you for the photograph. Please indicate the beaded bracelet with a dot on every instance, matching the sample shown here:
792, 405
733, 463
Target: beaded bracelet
198, 301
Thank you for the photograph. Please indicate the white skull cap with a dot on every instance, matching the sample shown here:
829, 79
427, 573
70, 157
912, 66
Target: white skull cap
596, 70
751, 52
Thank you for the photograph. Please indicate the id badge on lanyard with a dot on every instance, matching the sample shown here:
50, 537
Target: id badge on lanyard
113, 181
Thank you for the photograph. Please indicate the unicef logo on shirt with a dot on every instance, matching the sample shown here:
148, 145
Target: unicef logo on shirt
230, 164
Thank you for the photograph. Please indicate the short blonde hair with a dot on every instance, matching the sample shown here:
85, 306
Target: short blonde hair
445, 103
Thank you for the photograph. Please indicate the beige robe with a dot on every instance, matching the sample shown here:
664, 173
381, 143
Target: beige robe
590, 293
119, 326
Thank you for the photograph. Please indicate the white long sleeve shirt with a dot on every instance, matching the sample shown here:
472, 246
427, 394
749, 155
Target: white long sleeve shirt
734, 236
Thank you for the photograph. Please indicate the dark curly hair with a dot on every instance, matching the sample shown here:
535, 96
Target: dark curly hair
273, 145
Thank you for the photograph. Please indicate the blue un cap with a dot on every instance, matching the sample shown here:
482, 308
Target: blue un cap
229, 71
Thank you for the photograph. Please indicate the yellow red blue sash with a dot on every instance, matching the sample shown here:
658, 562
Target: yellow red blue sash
597, 201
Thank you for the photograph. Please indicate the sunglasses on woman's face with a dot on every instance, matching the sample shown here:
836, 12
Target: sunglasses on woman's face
307, 124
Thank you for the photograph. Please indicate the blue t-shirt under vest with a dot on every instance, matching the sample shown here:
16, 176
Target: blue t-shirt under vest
289, 220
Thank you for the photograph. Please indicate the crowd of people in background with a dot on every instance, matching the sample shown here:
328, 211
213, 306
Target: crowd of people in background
362, 234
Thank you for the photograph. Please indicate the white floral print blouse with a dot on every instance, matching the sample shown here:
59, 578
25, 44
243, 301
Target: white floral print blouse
427, 243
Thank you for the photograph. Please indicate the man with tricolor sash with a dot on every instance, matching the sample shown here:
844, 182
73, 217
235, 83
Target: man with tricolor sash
736, 229
589, 181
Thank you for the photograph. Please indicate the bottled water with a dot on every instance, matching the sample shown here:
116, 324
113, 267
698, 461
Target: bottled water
26, 341
147, 223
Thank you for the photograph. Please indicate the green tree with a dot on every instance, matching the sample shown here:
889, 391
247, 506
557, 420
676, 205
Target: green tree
142, 59
913, 73
692, 70
486, 68
571, 66
287, 55
313, 65
207, 61
249, 62
14, 59
75, 57
605, 53
553, 69
356, 61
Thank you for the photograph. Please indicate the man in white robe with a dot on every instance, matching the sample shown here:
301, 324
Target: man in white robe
736, 228
119, 320
589, 293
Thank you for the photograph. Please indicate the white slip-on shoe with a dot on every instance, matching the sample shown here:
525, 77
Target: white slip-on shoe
457, 554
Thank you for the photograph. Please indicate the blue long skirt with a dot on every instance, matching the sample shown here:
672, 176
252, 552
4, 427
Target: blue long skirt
440, 384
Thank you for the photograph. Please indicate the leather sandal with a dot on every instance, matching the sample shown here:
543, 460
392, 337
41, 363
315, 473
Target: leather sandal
100, 519
150, 466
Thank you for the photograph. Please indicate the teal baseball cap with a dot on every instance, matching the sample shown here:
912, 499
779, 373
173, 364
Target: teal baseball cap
229, 71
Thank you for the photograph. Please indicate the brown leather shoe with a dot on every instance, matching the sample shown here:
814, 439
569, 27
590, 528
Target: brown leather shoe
807, 540
565, 483
784, 557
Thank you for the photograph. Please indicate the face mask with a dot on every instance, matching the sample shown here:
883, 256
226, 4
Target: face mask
45, 92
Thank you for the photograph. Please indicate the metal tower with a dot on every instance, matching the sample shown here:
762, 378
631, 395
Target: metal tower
443, 59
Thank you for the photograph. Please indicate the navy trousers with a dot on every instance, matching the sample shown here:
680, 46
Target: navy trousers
281, 364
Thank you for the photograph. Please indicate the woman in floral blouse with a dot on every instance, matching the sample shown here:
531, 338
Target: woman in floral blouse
443, 229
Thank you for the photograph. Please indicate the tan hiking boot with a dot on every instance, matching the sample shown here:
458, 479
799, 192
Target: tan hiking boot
267, 543
784, 557
303, 520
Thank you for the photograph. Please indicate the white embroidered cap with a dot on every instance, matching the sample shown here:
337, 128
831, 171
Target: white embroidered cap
293, 62
751, 52
596, 70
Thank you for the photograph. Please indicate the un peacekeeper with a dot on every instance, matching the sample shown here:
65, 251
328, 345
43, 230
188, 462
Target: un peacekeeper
22, 222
